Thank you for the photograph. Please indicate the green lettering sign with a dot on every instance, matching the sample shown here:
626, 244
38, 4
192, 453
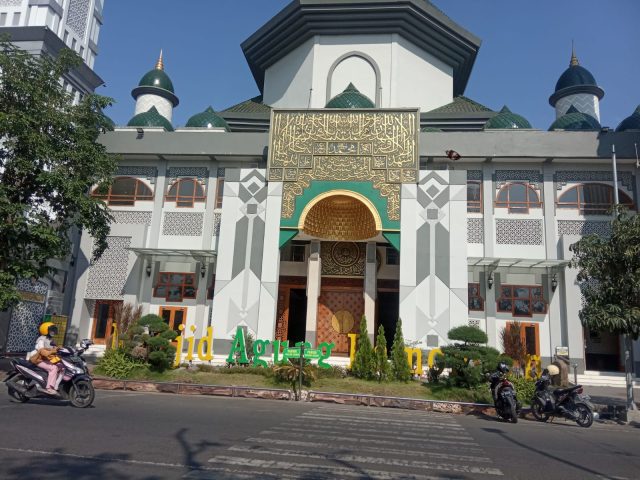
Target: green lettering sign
238, 347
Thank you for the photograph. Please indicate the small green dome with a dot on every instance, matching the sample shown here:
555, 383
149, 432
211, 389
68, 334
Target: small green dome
507, 119
156, 82
207, 119
632, 122
350, 98
150, 118
575, 120
430, 129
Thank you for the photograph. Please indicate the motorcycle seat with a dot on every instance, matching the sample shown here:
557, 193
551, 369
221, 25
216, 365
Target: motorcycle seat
562, 391
28, 364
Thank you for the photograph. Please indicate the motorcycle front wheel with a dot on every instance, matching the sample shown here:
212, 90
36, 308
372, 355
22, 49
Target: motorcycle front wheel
513, 414
584, 415
81, 394
16, 395
537, 408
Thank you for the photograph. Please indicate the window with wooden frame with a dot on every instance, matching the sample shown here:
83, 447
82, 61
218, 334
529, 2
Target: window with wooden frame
474, 196
521, 300
124, 191
173, 287
592, 199
185, 192
219, 191
518, 198
174, 317
530, 336
476, 302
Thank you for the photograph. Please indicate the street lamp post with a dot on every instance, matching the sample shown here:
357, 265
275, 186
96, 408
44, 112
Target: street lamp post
628, 345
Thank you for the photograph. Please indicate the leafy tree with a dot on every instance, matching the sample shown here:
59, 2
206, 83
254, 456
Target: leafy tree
609, 276
400, 369
364, 364
382, 362
467, 334
49, 159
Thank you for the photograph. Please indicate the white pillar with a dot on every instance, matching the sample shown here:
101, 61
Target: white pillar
369, 293
314, 281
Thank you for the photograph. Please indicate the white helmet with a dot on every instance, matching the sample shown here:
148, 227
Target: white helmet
553, 370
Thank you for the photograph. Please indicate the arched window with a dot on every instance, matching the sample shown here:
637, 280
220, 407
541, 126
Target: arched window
474, 197
124, 191
592, 198
518, 198
185, 192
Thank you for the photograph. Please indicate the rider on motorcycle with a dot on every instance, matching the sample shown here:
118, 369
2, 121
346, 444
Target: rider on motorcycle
44, 356
501, 370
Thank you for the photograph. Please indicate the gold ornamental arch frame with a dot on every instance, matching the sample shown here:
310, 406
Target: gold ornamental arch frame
347, 193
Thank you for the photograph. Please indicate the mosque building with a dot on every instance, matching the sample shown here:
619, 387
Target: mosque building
361, 181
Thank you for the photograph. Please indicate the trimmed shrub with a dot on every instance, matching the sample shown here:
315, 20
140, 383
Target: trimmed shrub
468, 335
382, 362
160, 351
400, 369
364, 363
525, 388
470, 363
116, 363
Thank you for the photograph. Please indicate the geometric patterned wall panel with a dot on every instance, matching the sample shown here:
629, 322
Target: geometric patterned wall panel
183, 224
519, 232
562, 177
201, 173
25, 318
77, 16
475, 230
583, 102
533, 177
582, 228
217, 218
131, 218
148, 172
10, 3
474, 175
108, 275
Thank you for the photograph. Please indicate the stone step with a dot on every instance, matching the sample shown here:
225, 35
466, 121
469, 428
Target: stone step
604, 380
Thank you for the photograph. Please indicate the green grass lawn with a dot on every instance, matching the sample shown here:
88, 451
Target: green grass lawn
257, 378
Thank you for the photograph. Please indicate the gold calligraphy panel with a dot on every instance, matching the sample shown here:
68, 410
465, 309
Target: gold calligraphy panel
379, 146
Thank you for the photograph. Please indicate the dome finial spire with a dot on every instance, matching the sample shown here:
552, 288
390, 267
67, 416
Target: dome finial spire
574, 59
160, 63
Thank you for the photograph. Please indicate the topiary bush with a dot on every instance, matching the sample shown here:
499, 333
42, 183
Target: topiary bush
364, 363
116, 363
400, 369
382, 362
157, 341
468, 335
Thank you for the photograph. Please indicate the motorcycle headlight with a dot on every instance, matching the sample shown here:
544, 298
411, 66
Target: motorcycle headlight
78, 370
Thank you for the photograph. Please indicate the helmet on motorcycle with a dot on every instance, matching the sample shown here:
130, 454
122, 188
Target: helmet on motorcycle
502, 367
553, 370
48, 328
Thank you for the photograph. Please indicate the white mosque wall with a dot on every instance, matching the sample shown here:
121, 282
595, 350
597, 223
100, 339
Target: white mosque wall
287, 83
145, 101
583, 102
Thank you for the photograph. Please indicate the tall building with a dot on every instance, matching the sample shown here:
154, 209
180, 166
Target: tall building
361, 181
45, 27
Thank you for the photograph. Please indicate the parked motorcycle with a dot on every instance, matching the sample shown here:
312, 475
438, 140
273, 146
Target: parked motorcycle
27, 381
570, 403
504, 395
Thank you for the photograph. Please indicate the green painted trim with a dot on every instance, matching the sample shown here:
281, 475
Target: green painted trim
318, 187
393, 238
286, 235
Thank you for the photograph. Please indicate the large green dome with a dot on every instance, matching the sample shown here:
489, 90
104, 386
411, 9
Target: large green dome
507, 119
350, 98
150, 118
207, 119
575, 120
632, 122
156, 82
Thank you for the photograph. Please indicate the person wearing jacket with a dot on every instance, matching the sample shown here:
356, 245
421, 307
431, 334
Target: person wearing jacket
44, 356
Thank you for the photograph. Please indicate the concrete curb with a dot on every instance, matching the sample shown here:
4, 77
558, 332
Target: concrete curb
281, 394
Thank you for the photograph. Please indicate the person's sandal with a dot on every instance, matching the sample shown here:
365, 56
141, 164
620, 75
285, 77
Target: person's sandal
51, 391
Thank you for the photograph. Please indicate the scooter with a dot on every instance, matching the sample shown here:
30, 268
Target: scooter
504, 395
570, 403
27, 381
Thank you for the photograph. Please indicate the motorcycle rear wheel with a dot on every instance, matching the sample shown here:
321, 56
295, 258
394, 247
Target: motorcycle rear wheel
81, 394
16, 395
537, 409
584, 415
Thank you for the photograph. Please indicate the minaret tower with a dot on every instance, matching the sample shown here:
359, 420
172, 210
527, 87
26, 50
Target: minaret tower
155, 89
576, 87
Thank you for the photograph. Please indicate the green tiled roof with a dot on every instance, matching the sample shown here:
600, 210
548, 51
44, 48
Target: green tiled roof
156, 78
575, 120
207, 119
507, 119
253, 105
150, 118
350, 98
461, 104
632, 122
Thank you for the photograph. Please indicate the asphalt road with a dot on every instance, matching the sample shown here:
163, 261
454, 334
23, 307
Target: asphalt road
154, 436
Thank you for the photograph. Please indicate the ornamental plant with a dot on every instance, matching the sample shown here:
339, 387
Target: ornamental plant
382, 361
400, 369
152, 333
364, 364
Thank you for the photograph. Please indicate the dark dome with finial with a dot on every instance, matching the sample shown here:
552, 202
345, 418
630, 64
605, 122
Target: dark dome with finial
350, 98
207, 119
575, 120
156, 82
507, 119
150, 118
632, 122
575, 79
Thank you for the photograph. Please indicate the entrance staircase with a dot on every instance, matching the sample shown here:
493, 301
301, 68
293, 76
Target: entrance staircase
594, 378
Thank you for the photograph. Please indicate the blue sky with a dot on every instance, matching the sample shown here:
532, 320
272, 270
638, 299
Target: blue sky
526, 45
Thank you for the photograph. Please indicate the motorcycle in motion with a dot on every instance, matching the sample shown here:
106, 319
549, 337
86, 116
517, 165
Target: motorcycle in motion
504, 394
27, 381
570, 403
